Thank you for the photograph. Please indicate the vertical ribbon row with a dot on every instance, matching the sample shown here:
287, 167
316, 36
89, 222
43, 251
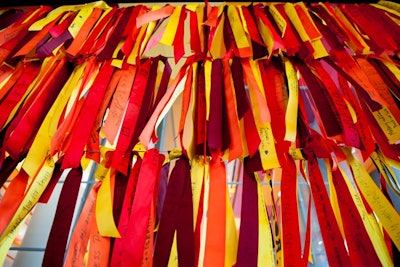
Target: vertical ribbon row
164, 100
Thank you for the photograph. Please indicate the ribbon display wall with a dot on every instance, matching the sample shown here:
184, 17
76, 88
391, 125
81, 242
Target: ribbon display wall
163, 98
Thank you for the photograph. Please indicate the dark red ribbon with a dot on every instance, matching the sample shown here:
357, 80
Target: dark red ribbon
57, 241
247, 254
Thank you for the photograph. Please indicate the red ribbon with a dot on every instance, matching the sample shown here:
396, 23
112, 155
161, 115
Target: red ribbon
81, 131
117, 253
141, 208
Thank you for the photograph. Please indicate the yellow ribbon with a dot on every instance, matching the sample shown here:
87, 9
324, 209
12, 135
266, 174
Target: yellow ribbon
333, 197
232, 240
385, 212
293, 102
40, 24
388, 123
239, 33
371, 226
265, 249
104, 210
170, 31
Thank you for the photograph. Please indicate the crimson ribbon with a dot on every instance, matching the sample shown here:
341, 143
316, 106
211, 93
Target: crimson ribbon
242, 101
351, 137
200, 114
7, 166
120, 188
248, 234
162, 190
185, 234
215, 132
125, 141
171, 219
162, 88
328, 113
112, 43
9, 17
57, 241
44, 198
147, 101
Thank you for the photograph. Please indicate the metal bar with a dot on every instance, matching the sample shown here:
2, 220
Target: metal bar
27, 249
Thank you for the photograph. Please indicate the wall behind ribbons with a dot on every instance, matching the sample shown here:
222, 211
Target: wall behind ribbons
237, 134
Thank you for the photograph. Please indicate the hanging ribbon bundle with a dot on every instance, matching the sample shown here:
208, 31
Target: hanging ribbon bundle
166, 98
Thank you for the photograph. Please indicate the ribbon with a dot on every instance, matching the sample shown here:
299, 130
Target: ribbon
41, 145
114, 38
216, 213
30, 198
125, 141
349, 97
29, 123
275, 95
81, 234
79, 39
12, 198
333, 241
291, 110
265, 256
89, 44
387, 215
85, 122
93, 144
368, 219
177, 215
118, 103
17, 91
248, 249
292, 255
104, 203
197, 174
356, 235
215, 132
140, 214
235, 144
349, 130
57, 241
117, 253
324, 105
